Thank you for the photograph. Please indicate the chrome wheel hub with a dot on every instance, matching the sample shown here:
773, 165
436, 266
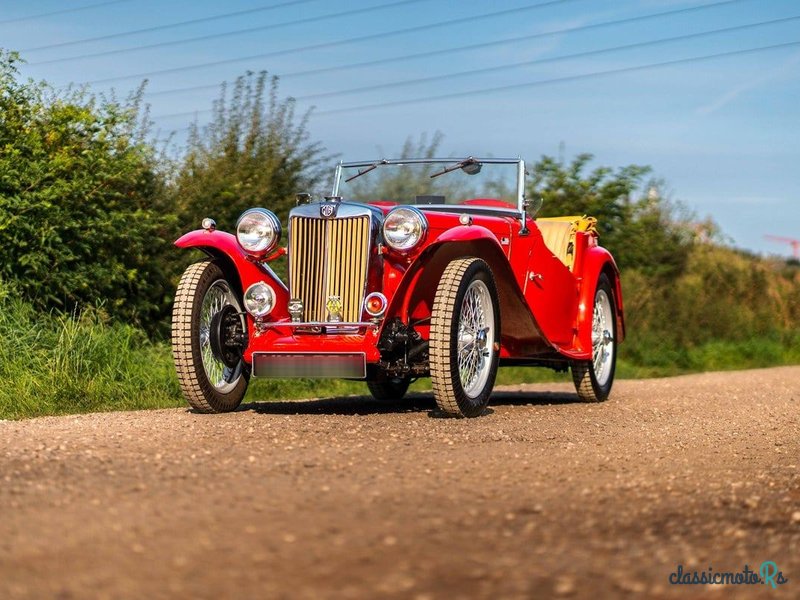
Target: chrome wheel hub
603, 346
476, 337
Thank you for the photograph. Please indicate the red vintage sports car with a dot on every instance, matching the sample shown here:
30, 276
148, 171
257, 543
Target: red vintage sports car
410, 268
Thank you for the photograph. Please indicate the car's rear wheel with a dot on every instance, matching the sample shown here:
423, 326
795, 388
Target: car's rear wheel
387, 390
593, 378
212, 376
465, 336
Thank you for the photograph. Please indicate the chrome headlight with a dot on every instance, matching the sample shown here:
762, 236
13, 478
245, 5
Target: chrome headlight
258, 231
404, 228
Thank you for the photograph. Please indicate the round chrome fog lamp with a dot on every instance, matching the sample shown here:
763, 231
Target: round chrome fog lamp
404, 228
259, 300
258, 231
375, 304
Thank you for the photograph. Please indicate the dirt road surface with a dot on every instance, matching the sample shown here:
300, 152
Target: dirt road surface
543, 497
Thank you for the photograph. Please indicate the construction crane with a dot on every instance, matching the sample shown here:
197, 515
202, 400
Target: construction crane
795, 244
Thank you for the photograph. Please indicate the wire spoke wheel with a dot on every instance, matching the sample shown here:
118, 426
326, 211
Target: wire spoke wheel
465, 329
475, 337
602, 338
207, 382
220, 376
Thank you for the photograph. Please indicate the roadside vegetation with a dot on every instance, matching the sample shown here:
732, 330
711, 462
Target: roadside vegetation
58, 363
89, 206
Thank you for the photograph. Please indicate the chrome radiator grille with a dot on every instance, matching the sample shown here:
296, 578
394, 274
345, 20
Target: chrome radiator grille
328, 257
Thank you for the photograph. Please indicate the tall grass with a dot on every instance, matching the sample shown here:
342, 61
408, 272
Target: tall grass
58, 364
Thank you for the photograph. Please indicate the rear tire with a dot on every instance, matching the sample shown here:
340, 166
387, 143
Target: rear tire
207, 384
388, 390
593, 378
465, 338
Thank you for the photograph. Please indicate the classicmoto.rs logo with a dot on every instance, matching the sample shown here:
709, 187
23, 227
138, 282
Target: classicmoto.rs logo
767, 574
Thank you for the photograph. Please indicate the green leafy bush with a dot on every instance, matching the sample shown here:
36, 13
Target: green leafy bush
255, 152
724, 309
640, 227
82, 214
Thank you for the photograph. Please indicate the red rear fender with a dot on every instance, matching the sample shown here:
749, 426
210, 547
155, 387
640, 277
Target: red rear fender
597, 261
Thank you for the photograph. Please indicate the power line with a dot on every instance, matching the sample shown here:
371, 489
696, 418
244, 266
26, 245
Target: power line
452, 50
212, 36
62, 11
593, 75
324, 45
543, 82
527, 63
131, 32
511, 66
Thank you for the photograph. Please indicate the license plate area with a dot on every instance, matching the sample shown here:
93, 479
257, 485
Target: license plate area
310, 365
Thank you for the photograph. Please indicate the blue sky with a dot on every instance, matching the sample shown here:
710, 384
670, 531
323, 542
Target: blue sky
723, 132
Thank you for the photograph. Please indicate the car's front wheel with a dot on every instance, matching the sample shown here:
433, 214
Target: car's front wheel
465, 338
593, 378
206, 315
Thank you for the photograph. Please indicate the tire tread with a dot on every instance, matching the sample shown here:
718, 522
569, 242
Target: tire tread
586, 387
582, 378
449, 398
195, 389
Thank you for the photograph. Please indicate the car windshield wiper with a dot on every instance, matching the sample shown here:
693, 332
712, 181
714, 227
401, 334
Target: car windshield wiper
367, 170
469, 165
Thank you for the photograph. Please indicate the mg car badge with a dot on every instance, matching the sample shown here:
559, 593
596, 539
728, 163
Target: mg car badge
334, 308
327, 210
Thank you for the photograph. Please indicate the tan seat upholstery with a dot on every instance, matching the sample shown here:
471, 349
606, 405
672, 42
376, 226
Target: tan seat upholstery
559, 235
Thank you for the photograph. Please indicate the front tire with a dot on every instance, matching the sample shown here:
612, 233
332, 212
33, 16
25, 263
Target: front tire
208, 384
593, 378
465, 338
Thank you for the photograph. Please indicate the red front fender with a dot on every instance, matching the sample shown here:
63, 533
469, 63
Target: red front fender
242, 270
468, 233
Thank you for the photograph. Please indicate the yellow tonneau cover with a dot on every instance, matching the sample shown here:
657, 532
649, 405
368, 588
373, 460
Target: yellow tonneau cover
559, 234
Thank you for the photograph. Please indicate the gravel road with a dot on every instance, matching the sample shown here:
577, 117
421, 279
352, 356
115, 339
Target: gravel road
348, 498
